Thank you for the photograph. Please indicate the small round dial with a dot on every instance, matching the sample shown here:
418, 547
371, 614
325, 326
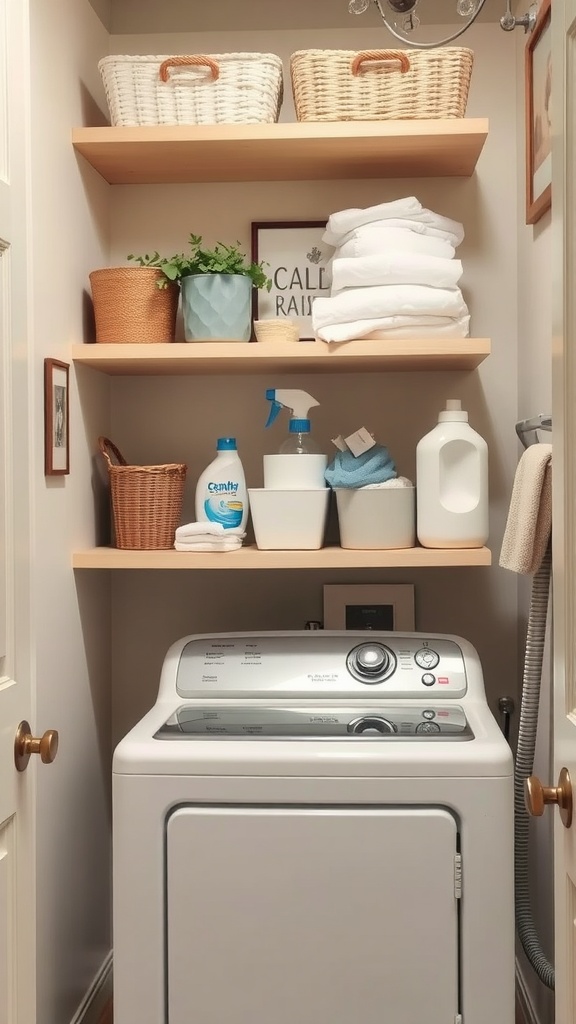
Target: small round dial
371, 663
426, 658
372, 725
428, 728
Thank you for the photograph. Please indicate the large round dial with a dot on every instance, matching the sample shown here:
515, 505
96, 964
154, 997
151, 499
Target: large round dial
371, 725
371, 662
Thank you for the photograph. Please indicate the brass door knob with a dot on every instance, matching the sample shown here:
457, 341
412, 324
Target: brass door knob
536, 796
26, 744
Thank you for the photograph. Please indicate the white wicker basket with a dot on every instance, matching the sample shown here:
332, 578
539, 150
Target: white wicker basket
221, 88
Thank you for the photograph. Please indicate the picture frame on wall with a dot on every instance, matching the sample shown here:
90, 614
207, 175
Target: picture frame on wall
538, 76
296, 260
56, 418
377, 606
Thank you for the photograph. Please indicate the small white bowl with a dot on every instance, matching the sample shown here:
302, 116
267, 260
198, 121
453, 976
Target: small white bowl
289, 520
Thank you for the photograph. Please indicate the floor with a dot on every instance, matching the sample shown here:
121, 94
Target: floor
107, 1016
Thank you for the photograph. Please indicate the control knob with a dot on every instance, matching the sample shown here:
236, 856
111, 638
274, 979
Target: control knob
371, 663
371, 725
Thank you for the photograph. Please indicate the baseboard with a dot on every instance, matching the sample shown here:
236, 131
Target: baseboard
97, 997
524, 1001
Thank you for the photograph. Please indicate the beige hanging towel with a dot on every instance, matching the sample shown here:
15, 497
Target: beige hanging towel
530, 514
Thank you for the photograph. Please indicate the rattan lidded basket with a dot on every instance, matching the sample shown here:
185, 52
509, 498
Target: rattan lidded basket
146, 500
218, 88
381, 85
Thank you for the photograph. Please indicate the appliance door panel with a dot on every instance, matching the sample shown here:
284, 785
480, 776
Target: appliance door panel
311, 915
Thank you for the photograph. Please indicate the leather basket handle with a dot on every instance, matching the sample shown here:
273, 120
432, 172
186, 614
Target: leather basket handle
391, 56
195, 60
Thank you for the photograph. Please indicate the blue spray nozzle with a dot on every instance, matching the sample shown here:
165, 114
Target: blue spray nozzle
299, 403
274, 410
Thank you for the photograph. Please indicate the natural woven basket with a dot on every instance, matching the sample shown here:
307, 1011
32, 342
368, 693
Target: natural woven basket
380, 85
276, 330
220, 88
129, 307
146, 500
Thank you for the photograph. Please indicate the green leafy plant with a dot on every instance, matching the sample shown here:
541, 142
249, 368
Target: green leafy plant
222, 259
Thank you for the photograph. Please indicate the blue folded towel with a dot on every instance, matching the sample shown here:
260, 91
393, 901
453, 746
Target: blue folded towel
372, 467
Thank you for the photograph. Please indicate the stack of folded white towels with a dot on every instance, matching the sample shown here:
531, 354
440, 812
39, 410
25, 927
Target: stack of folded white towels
208, 537
394, 275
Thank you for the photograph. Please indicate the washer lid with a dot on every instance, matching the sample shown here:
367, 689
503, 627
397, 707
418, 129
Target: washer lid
412, 722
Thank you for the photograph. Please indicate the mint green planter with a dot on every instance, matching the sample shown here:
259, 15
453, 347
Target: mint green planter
217, 306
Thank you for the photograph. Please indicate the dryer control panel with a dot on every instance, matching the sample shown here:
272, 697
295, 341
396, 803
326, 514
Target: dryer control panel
385, 722
321, 664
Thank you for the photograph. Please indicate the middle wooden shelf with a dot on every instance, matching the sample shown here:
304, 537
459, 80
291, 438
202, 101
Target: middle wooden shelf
250, 557
222, 357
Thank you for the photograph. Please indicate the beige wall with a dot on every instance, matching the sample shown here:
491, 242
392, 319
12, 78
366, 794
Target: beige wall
70, 219
255, 15
179, 419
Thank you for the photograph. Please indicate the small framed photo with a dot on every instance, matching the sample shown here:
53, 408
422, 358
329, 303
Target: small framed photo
296, 260
378, 606
538, 74
56, 418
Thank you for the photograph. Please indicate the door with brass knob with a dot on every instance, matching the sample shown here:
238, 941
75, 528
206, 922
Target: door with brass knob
538, 796
26, 744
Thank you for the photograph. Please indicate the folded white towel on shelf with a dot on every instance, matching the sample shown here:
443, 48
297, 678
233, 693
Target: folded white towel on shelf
209, 544
374, 239
346, 220
387, 300
395, 268
340, 225
397, 327
414, 227
205, 529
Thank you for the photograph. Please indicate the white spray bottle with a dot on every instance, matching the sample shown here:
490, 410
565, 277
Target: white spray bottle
299, 464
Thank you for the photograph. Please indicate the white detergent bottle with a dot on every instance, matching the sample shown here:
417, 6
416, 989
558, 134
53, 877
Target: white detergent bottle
452, 483
221, 495
299, 464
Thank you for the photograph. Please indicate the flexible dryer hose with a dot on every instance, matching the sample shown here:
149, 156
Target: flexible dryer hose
524, 764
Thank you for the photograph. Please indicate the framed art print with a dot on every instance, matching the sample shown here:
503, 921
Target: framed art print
56, 418
379, 606
538, 74
296, 260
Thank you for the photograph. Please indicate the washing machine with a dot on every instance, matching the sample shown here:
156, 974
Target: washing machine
315, 828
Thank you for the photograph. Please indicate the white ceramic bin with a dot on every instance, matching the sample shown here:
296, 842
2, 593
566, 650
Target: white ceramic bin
289, 520
379, 517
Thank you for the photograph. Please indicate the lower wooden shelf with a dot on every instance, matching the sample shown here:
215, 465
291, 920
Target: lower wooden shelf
250, 557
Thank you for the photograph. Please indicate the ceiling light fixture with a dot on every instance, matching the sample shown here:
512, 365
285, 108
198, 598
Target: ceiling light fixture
402, 18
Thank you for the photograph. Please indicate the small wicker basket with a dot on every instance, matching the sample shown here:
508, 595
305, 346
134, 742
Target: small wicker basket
380, 85
276, 330
220, 88
146, 501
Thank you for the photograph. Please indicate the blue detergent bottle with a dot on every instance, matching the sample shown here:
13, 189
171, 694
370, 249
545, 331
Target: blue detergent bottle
221, 495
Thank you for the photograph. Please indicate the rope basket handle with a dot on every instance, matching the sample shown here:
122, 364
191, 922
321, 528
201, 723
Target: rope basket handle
195, 60
106, 445
366, 56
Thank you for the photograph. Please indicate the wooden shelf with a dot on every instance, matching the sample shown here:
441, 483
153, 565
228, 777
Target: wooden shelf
250, 557
223, 357
283, 152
